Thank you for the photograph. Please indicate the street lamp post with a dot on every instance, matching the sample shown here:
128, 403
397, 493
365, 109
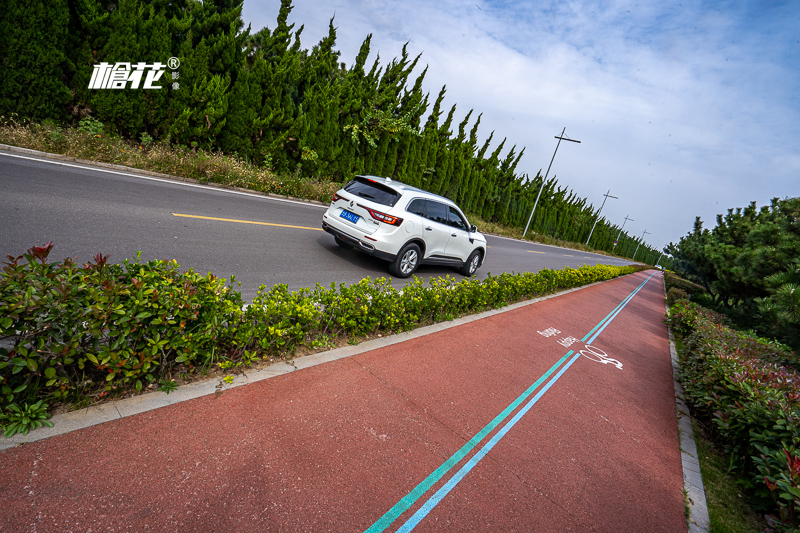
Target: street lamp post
620, 232
607, 196
560, 138
637, 246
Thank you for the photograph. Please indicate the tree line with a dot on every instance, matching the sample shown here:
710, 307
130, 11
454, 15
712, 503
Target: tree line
750, 265
262, 97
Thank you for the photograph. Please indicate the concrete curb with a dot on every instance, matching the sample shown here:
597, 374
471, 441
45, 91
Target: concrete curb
699, 521
98, 414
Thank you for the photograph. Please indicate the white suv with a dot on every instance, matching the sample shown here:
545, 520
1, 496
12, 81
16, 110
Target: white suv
403, 225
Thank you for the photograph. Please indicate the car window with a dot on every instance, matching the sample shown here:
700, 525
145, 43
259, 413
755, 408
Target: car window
436, 211
417, 207
455, 220
373, 191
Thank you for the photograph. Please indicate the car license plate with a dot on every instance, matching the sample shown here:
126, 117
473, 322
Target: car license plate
347, 215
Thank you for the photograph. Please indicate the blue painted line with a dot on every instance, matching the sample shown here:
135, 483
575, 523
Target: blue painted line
619, 308
411, 498
414, 495
434, 500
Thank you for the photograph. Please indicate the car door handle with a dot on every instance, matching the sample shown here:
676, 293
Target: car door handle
429, 228
453, 235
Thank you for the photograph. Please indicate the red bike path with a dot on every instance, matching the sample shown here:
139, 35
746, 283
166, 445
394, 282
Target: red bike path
338, 446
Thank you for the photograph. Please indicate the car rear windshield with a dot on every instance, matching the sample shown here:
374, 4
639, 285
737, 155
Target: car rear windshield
372, 191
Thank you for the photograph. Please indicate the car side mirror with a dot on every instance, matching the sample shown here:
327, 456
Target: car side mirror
473, 229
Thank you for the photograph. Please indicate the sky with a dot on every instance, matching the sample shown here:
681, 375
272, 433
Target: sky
682, 109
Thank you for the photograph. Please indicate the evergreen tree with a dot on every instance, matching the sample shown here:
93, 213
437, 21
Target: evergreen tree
33, 65
747, 263
138, 33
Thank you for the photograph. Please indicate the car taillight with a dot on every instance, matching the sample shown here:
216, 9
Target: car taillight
383, 217
336, 198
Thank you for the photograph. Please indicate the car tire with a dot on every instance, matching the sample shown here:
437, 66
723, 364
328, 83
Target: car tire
472, 264
341, 242
406, 262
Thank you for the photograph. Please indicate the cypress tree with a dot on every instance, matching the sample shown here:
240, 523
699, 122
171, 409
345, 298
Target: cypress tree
33, 64
443, 159
122, 108
244, 101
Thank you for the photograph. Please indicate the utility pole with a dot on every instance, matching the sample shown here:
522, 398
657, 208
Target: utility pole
607, 196
637, 246
560, 138
620, 232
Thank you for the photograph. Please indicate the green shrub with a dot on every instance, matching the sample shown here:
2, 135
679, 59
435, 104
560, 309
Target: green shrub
92, 126
92, 329
746, 387
23, 419
674, 294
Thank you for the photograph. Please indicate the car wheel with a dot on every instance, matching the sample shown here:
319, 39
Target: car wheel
341, 242
406, 261
473, 261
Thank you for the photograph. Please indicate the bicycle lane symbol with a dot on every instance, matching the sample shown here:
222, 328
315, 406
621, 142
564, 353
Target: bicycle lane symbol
596, 354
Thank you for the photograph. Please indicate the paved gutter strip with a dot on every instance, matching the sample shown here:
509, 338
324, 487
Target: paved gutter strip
98, 414
692, 478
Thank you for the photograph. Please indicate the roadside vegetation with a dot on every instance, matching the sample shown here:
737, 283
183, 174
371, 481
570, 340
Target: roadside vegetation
744, 390
72, 335
749, 267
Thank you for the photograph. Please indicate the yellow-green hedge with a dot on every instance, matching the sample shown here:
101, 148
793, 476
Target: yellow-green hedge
77, 333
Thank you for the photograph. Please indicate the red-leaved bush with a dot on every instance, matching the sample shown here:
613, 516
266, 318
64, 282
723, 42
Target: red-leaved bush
747, 389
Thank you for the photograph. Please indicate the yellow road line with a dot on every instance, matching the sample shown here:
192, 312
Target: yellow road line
535, 252
567, 255
245, 222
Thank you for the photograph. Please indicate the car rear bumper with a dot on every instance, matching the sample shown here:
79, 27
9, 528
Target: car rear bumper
358, 244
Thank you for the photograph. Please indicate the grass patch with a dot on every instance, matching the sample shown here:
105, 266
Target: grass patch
728, 509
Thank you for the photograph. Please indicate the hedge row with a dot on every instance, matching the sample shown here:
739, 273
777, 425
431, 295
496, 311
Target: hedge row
746, 388
679, 288
75, 333
671, 280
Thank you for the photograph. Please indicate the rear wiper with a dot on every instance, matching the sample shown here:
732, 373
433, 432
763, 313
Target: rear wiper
365, 195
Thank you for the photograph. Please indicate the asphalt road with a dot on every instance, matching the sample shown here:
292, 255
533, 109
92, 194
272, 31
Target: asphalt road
86, 210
